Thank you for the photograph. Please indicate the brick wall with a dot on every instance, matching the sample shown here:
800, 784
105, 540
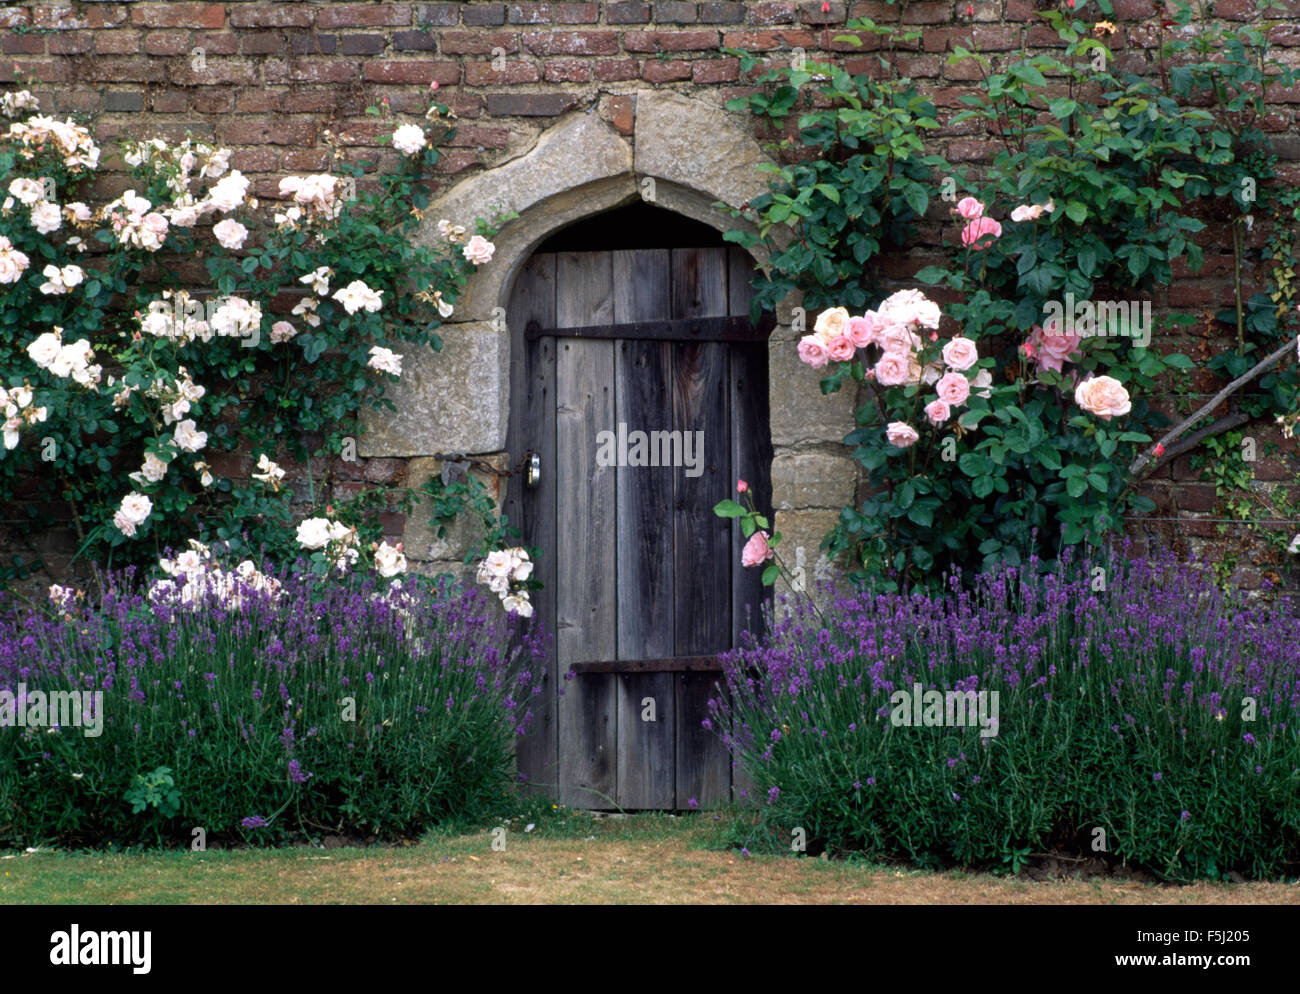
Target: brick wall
275, 76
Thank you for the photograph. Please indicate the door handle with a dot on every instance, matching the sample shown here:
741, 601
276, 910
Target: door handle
532, 469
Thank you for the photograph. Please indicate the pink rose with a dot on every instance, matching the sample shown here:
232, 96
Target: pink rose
901, 435
960, 353
892, 370
741, 486
937, 412
863, 330
756, 550
812, 351
841, 348
978, 229
897, 340
478, 250
1103, 396
953, 388
1055, 348
969, 208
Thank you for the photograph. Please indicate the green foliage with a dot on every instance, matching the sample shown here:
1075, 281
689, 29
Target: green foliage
155, 790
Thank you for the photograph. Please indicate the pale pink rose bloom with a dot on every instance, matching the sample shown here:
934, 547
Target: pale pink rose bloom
960, 353
282, 331
1055, 348
953, 388
478, 250
841, 348
756, 551
892, 370
938, 412
979, 229
909, 308
983, 383
812, 351
1103, 396
831, 323
897, 340
230, 233
1032, 212
863, 329
969, 208
900, 434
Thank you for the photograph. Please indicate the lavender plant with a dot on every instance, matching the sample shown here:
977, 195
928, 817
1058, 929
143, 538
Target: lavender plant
1140, 708
286, 707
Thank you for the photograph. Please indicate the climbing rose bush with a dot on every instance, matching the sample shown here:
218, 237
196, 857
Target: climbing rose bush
120, 386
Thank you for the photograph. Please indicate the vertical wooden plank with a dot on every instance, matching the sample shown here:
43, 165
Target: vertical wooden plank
751, 461
643, 402
586, 621
531, 426
702, 541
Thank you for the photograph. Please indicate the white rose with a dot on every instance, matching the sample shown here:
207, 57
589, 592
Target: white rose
389, 560
45, 349
230, 233
228, 193
132, 513
409, 139
357, 296
314, 533
46, 217
385, 360
478, 250
188, 438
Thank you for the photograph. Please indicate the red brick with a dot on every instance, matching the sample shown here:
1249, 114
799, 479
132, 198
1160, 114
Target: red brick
987, 38
771, 13
167, 43
305, 71
369, 15
811, 12
574, 42
1285, 35
1133, 10
529, 104
967, 150
71, 43
117, 42
552, 13
64, 18
13, 17
262, 43
1024, 10
1196, 498
445, 73
665, 71
281, 131
926, 13
715, 70
170, 102
478, 42
14, 44
384, 470
214, 73
178, 15
414, 41
670, 41
456, 159
271, 15
1235, 10
627, 13
363, 44
258, 101
216, 43
765, 41
567, 71
130, 70
620, 111
477, 136
483, 74
305, 160
616, 70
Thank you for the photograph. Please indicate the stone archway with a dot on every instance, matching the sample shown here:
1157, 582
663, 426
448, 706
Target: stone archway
685, 154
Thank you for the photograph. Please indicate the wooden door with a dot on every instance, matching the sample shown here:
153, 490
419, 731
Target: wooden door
642, 582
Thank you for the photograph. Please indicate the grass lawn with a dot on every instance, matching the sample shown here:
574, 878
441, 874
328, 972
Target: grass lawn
571, 859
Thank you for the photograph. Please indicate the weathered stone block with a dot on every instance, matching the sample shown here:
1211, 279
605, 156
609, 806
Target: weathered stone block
420, 539
799, 412
812, 479
449, 401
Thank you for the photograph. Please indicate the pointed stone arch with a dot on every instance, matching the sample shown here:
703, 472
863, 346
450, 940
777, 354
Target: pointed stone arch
685, 155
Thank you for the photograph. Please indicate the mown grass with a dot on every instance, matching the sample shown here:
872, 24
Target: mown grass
569, 857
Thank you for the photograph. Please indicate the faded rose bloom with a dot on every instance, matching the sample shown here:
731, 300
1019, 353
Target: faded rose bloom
969, 208
1103, 396
895, 339
831, 323
282, 331
930, 375
937, 412
46, 217
960, 354
756, 551
901, 435
385, 360
892, 370
975, 234
983, 383
812, 351
953, 388
409, 139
